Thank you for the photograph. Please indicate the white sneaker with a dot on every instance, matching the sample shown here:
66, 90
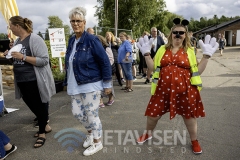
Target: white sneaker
88, 141
93, 149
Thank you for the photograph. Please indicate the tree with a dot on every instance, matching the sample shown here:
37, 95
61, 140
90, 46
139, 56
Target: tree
166, 23
141, 15
3, 36
40, 34
66, 31
47, 34
56, 22
136, 15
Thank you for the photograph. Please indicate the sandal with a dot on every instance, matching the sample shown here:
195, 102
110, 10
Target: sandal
41, 141
124, 88
37, 134
128, 90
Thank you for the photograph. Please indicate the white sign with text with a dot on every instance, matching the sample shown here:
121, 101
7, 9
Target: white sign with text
57, 42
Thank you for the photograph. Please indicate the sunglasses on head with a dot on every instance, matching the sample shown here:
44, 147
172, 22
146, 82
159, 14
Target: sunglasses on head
178, 32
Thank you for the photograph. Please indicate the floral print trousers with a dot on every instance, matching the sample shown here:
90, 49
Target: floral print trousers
85, 108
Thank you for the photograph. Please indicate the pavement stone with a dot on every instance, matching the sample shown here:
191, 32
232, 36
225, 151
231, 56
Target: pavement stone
218, 132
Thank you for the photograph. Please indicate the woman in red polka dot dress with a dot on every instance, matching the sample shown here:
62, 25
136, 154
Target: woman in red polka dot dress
175, 88
174, 93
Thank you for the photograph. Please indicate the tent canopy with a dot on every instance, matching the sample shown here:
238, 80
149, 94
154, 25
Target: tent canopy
9, 8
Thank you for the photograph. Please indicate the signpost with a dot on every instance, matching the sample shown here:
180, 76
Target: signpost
57, 43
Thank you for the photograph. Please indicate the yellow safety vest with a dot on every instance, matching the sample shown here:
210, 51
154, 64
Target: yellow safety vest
195, 78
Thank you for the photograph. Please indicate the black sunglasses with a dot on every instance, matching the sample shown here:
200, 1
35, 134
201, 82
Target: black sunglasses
178, 32
77, 21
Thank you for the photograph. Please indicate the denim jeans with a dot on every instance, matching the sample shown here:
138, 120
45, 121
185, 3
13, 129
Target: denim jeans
127, 70
3, 141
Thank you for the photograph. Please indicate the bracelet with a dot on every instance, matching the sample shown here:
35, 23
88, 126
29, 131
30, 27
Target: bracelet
24, 57
206, 56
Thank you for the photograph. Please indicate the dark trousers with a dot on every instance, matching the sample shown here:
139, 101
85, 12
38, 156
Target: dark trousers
31, 96
118, 74
140, 66
4, 140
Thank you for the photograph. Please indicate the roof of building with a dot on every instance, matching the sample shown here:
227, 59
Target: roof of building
202, 29
216, 27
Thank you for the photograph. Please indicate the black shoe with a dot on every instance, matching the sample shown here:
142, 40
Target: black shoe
147, 81
14, 148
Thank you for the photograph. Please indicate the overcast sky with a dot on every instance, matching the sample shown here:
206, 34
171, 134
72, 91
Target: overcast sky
39, 10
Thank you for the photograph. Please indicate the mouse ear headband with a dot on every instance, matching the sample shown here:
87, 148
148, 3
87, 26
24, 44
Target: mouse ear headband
177, 21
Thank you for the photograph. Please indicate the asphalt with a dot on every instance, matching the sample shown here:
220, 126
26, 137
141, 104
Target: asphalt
218, 132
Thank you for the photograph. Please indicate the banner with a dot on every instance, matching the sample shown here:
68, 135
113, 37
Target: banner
57, 42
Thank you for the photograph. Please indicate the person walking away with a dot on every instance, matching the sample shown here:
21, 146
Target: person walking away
222, 43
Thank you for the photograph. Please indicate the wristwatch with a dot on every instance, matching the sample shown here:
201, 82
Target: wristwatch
206, 56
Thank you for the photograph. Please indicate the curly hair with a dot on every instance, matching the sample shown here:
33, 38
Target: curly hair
186, 43
25, 23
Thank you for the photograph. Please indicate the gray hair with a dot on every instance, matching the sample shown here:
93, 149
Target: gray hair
153, 28
77, 11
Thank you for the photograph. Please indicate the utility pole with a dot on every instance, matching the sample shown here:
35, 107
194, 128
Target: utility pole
116, 17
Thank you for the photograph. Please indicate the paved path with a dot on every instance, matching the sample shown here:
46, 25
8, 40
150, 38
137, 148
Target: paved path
218, 132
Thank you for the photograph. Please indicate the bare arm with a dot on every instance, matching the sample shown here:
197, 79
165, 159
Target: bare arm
149, 62
202, 64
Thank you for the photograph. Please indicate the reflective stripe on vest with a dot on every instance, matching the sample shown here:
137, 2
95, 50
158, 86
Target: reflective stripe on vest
195, 79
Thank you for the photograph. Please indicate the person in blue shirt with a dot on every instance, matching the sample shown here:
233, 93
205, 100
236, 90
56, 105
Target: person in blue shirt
88, 72
125, 60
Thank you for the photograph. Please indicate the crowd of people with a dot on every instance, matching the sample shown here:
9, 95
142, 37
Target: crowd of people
93, 61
